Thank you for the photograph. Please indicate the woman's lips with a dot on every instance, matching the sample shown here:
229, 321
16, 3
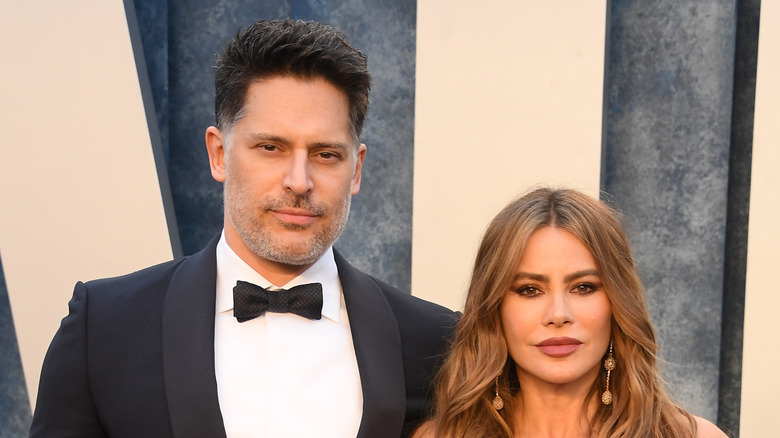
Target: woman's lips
559, 347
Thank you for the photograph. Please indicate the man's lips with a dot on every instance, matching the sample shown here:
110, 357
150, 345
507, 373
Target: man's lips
559, 347
295, 216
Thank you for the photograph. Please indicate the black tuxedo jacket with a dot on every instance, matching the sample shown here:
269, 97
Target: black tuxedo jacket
135, 355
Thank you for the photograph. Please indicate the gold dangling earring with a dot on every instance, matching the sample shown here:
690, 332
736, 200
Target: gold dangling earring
609, 365
498, 402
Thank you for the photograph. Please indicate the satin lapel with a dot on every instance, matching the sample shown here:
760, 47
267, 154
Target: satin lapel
188, 347
377, 343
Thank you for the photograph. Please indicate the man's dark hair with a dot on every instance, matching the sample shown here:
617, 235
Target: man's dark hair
294, 48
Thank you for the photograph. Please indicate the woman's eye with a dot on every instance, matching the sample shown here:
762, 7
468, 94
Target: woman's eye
585, 288
527, 291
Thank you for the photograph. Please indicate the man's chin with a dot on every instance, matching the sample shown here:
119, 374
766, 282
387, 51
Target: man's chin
291, 254
294, 260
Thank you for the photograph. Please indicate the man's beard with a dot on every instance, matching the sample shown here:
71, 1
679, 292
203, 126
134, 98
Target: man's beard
264, 243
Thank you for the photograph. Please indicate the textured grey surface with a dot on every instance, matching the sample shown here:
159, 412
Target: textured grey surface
740, 160
667, 148
15, 415
152, 19
378, 237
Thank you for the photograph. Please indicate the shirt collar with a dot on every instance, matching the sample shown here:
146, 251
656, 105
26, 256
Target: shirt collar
231, 268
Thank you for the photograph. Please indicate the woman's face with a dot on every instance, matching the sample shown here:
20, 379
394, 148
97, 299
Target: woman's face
556, 314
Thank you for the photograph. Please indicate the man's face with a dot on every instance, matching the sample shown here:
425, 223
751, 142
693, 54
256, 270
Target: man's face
290, 168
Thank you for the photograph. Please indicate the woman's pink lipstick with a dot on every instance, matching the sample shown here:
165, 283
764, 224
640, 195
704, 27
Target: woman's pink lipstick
559, 347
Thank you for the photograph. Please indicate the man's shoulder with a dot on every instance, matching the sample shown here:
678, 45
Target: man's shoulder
155, 273
403, 304
200, 264
397, 297
418, 318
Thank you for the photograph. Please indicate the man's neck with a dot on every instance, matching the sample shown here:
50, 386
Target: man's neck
278, 274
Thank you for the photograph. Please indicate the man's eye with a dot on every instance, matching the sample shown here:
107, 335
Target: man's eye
268, 147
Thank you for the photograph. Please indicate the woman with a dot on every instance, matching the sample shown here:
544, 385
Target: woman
555, 339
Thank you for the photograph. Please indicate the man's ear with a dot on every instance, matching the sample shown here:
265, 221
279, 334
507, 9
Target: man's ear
216, 150
361, 155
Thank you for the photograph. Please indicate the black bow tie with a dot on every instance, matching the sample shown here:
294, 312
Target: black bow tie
251, 301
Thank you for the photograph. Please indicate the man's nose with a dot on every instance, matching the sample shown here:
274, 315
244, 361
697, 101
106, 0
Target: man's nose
298, 175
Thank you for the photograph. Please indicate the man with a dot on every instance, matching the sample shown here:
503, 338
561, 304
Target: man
223, 343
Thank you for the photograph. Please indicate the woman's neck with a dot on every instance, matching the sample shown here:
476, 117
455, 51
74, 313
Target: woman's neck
550, 411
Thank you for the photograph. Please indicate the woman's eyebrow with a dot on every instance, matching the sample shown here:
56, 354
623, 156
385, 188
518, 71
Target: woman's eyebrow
529, 276
580, 274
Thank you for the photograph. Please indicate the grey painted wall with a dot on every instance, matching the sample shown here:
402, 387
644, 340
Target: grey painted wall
740, 161
667, 148
15, 415
680, 174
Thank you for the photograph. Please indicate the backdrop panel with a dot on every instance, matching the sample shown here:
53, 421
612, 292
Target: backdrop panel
79, 185
761, 345
509, 95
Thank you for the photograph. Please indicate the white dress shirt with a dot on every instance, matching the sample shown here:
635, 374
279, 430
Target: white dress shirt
282, 375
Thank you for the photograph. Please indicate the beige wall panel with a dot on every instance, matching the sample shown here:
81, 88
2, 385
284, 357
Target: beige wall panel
761, 347
78, 185
509, 95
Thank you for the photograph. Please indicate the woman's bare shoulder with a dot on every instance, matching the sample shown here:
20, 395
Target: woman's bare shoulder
426, 430
708, 430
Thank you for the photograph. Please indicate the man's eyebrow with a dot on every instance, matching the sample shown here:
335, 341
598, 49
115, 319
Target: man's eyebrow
262, 136
327, 145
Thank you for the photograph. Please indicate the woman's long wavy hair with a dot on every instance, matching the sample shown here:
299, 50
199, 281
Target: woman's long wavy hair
466, 384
